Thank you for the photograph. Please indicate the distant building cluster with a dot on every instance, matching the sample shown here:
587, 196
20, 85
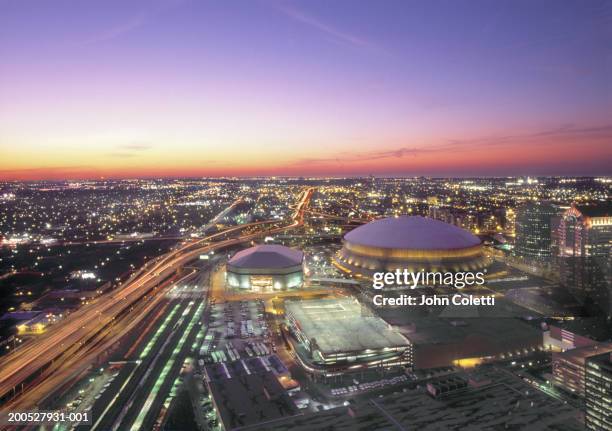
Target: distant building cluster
273, 331
576, 242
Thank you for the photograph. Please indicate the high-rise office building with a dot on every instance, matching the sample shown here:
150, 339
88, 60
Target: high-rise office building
533, 230
586, 231
598, 392
570, 367
584, 238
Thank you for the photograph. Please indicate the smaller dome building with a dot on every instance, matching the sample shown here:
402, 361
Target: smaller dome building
266, 268
414, 243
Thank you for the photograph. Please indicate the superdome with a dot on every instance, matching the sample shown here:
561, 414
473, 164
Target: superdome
266, 268
414, 233
409, 242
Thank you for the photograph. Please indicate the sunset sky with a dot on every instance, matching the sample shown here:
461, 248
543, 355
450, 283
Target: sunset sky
125, 89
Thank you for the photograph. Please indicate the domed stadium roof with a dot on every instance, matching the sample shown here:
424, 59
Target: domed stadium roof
412, 233
267, 256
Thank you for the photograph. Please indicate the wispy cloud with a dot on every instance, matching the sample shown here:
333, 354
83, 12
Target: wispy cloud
116, 31
330, 31
601, 134
45, 169
129, 150
544, 137
131, 24
135, 146
122, 155
51, 172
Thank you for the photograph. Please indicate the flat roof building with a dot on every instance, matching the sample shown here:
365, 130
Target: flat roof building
244, 396
464, 335
505, 403
336, 334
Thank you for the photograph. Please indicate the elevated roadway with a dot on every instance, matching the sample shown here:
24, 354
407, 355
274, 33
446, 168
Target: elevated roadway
25, 364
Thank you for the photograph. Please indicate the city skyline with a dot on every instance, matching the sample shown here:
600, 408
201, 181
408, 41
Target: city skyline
305, 214
220, 304
176, 88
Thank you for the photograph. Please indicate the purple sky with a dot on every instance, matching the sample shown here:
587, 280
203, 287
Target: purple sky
139, 88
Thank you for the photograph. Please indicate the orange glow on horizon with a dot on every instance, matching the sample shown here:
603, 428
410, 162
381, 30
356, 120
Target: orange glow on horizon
136, 161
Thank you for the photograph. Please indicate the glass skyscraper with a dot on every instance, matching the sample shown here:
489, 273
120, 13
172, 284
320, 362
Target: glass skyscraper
533, 230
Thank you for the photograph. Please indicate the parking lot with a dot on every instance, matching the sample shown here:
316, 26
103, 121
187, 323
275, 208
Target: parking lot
236, 330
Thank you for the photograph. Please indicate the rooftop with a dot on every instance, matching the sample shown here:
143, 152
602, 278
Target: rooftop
412, 232
250, 399
341, 325
267, 256
581, 354
598, 210
506, 403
